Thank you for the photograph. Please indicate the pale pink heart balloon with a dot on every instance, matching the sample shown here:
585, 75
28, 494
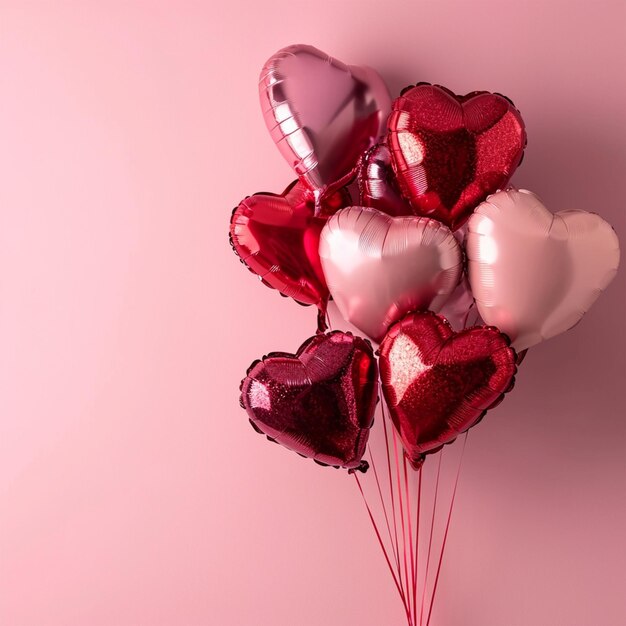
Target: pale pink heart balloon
378, 267
321, 113
534, 274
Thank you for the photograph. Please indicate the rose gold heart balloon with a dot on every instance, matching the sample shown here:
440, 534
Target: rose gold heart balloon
535, 274
321, 113
378, 267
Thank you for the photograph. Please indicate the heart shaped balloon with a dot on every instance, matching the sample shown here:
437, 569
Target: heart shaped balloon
321, 113
535, 274
379, 267
319, 402
377, 183
438, 383
277, 237
450, 152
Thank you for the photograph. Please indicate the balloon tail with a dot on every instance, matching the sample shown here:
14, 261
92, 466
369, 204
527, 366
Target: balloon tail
322, 316
467, 315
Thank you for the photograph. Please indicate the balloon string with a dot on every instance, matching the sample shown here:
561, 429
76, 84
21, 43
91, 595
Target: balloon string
400, 500
445, 536
382, 501
382, 545
410, 528
321, 321
391, 489
417, 537
430, 540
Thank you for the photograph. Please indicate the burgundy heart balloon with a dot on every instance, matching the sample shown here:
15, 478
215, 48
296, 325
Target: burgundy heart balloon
321, 113
450, 152
318, 402
438, 383
377, 183
277, 237
379, 267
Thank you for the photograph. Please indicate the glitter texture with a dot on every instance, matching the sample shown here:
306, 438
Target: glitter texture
318, 402
438, 383
450, 152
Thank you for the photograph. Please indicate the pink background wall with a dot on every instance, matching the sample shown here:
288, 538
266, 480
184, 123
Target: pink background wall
132, 489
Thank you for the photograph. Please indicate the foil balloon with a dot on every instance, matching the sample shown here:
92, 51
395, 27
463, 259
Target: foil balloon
459, 309
277, 237
378, 267
438, 383
319, 402
377, 183
450, 152
535, 274
321, 113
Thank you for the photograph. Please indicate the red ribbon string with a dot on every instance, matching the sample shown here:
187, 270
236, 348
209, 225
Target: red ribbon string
382, 545
445, 536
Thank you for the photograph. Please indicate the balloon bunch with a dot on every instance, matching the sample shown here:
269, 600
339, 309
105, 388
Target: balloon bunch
436, 235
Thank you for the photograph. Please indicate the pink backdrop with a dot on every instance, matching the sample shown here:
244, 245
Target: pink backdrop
132, 489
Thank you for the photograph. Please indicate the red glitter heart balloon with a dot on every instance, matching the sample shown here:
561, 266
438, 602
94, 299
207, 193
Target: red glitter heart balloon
438, 383
277, 237
450, 152
318, 402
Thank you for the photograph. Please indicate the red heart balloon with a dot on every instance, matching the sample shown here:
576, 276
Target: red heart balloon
438, 383
450, 152
318, 402
277, 237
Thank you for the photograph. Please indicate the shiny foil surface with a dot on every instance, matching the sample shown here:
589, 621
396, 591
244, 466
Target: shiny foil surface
321, 113
277, 237
534, 274
438, 383
377, 183
318, 402
378, 267
450, 152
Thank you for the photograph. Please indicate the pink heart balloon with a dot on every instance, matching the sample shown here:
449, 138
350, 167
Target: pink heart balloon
321, 113
534, 274
378, 267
